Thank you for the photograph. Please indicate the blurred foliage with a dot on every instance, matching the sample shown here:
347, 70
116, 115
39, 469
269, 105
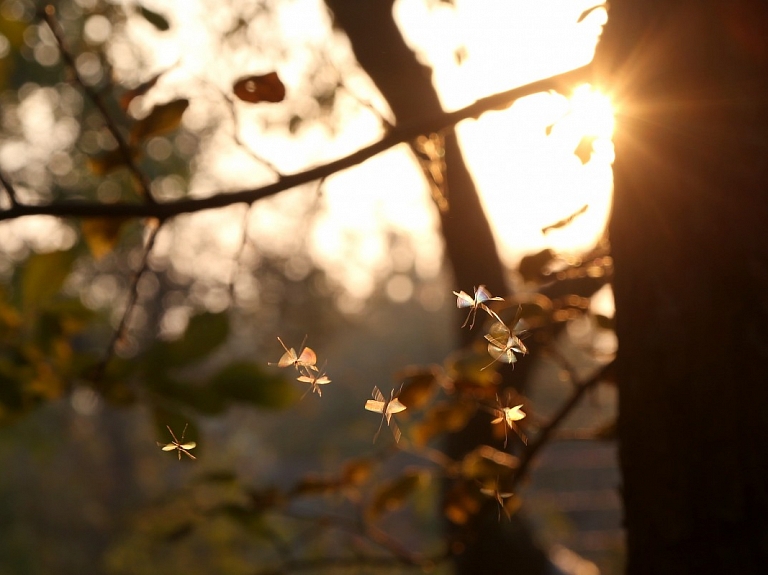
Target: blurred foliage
61, 303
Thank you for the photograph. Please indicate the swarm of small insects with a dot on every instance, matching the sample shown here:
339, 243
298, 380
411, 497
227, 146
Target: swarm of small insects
304, 363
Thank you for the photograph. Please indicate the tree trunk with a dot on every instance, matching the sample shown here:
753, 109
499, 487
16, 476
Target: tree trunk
470, 247
688, 236
407, 86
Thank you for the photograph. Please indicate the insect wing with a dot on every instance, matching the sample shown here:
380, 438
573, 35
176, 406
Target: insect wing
321, 380
464, 300
499, 332
190, 445
308, 358
514, 413
482, 295
501, 351
374, 405
395, 431
167, 446
518, 345
394, 406
288, 358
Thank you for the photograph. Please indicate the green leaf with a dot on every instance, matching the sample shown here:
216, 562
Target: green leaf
43, 277
162, 118
205, 332
247, 382
155, 19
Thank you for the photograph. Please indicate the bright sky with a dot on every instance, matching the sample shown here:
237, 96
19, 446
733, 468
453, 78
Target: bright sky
527, 179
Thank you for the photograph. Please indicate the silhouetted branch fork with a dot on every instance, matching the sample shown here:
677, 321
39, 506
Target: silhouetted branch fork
10, 190
398, 134
133, 296
546, 432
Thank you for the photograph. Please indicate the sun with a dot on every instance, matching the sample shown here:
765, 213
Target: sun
594, 110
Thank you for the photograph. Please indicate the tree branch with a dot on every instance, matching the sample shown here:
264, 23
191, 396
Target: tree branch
399, 134
47, 14
543, 436
9, 190
133, 296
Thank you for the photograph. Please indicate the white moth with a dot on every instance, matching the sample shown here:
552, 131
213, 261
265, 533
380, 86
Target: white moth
503, 344
307, 358
314, 380
178, 445
387, 407
499, 496
509, 415
482, 295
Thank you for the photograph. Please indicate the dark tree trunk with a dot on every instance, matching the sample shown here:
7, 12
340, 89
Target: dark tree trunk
470, 247
407, 86
689, 236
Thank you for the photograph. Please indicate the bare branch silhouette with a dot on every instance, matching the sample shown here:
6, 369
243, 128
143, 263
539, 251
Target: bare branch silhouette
47, 14
398, 134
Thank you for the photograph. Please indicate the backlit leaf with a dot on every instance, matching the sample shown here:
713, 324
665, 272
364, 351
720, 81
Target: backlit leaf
393, 494
464, 368
488, 464
101, 234
604, 322
140, 90
264, 88
155, 19
162, 118
448, 416
356, 471
418, 386
109, 161
461, 502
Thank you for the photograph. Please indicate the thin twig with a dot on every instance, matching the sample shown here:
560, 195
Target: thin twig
237, 263
399, 134
47, 14
239, 141
9, 190
542, 438
373, 534
133, 296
